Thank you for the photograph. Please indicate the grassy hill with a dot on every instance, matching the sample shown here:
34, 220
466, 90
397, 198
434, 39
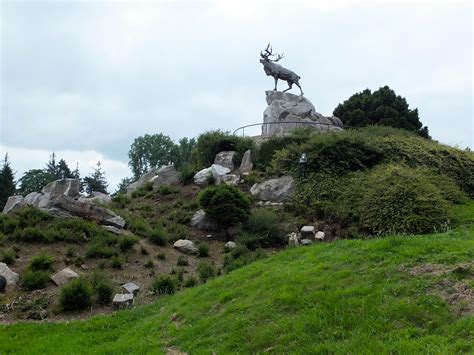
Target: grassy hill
398, 294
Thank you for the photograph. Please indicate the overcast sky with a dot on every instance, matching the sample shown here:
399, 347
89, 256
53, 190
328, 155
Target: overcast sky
84, 79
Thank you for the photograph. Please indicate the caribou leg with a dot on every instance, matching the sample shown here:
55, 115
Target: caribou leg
276, 81
300, 88
290, 84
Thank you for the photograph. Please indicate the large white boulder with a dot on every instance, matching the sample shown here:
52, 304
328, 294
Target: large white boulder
96, 197
63, 187
202, 222
185, 246
218, 172
203, 177
14, 203
246, 165
11, 277
225, 159
274, 190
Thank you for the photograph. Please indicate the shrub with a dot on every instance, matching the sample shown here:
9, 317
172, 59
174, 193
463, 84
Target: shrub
116, 262
167, 190
182, 261
394, 199
77, 295
41, 262
164, 284
126, 243
212, 142
206, 271
102, 287
187, 174
121, 201
203, 250
149, 264
159, 236
161, 256
176, 231
32, 216
34, 280
262, 230
143, 250
29, 234
99, 249
225, 204
191, 281
8, 256
138, 225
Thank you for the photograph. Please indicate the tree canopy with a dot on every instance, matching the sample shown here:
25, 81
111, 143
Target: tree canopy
381, 107
96, 181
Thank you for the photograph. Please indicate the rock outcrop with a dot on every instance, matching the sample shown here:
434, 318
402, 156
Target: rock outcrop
203, 177
202, 222
274, 190
284, 109
246, 165
61, 198
64, 276
225, 159
165, 175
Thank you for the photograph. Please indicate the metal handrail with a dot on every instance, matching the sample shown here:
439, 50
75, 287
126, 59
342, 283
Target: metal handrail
280, 122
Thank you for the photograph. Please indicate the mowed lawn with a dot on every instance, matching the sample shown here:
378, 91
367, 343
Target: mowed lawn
399, 294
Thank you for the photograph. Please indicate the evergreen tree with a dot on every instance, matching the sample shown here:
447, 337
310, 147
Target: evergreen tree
96, 181
382, 107
75, 173
63, 171
52, 167
7, 183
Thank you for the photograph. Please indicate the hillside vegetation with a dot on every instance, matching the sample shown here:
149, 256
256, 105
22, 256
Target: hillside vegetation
394, 294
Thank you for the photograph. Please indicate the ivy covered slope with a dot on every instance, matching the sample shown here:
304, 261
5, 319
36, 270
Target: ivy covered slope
395, 294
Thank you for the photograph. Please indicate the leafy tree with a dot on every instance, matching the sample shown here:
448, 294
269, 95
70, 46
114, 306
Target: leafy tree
34, 180
183, 152
7, 183
96, 181
150, 151
382, 107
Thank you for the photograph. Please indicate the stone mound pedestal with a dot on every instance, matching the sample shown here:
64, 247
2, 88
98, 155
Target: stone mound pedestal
286, 112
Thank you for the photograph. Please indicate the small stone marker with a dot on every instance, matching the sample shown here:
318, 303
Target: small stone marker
293, 240
307, 232
306, 242
131, 288
122, 300
64, 276
319, 236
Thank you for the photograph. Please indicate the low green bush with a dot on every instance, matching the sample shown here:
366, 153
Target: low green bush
187, 174
99, 249
34, 280
121, 201
203, 250
41, 262
167, 190
206, 270
191, 281
161, 256
262, 230
164, 284
126, 243
159, 236
101, 287
77, 295
225, 204
182, 261
176, 231
394, 199
8, 256
116, 262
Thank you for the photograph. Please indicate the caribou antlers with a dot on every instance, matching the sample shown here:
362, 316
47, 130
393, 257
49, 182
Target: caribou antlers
268, 53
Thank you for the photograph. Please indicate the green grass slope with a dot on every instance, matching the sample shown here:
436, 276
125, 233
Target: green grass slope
401, 294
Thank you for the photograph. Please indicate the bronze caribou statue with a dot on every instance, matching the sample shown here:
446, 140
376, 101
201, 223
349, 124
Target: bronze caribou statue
276, 70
